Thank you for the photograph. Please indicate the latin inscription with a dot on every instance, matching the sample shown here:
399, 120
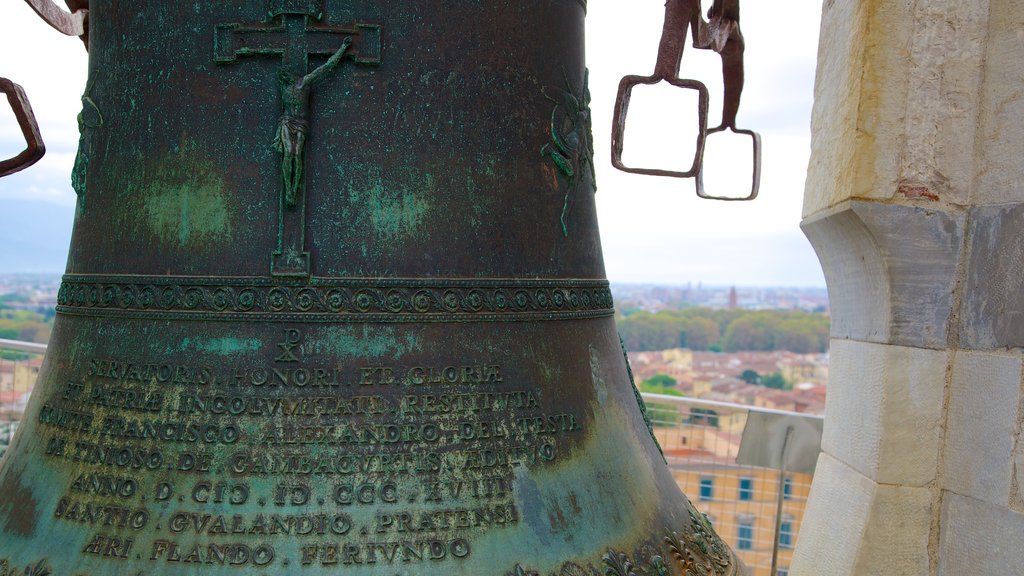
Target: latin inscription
353, 464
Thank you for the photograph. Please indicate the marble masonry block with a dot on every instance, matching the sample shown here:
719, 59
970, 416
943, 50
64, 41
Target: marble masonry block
855, 527
979, 538
1000, 138
896, 100
834, 521
884, 411
981, 423
836, 99
946, 53
857, 107
897, 534
992, 314
890, 270
858, 292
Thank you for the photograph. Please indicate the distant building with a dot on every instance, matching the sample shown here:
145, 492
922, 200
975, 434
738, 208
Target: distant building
19, 376
653, 298
717, 376
740, 501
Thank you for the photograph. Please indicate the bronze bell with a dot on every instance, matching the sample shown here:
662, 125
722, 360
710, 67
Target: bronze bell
335, 304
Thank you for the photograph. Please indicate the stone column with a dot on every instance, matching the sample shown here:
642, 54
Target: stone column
915, 205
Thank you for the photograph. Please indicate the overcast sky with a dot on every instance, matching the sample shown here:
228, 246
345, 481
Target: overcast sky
653, 229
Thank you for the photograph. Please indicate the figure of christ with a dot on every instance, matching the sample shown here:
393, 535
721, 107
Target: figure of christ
294, 125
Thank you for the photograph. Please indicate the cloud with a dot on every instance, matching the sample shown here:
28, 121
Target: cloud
778, 260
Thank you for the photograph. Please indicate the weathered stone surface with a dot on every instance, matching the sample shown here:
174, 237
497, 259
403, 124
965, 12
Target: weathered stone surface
1000, 137
896, 538
834, 115
914, 202
993, 306
945, 52
890, 269
834, 522
982, 419
842, 163
855, 274
884, 411
856, 527
895, 101
979, 538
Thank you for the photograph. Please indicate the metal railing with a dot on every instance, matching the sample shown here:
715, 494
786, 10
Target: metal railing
755, 509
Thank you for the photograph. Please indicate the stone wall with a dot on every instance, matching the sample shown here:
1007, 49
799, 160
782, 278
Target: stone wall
915, 205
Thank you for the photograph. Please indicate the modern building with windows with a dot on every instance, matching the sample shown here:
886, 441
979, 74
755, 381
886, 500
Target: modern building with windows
740, 501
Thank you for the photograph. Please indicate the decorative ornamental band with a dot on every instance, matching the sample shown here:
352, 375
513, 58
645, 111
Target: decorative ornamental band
334, 299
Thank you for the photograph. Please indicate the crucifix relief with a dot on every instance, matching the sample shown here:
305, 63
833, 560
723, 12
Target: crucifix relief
294, 32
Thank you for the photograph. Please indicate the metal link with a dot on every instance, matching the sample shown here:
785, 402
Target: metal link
755, 179
29, 129
721, 34
74, 23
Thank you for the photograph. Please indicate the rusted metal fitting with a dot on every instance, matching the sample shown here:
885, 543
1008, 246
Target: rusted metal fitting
73, 23
678, 15
720, 33
34, 149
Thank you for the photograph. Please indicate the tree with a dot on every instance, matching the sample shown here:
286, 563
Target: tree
775, 380
803, 334
699, 333
660, 381
661, 413
753, 331
703, 417
750, 377
645, 331
24, 325
717, 330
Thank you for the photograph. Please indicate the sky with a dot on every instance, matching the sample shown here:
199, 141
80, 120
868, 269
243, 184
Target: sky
653, 229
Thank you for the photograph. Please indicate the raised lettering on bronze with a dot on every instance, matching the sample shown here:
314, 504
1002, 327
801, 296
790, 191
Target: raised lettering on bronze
101, 514
105, 485
313, 525
125, 422
326, 321
402, 552
109, 546
67, 419
220, 554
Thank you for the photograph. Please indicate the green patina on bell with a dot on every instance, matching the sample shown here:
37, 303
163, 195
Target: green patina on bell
336, 304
